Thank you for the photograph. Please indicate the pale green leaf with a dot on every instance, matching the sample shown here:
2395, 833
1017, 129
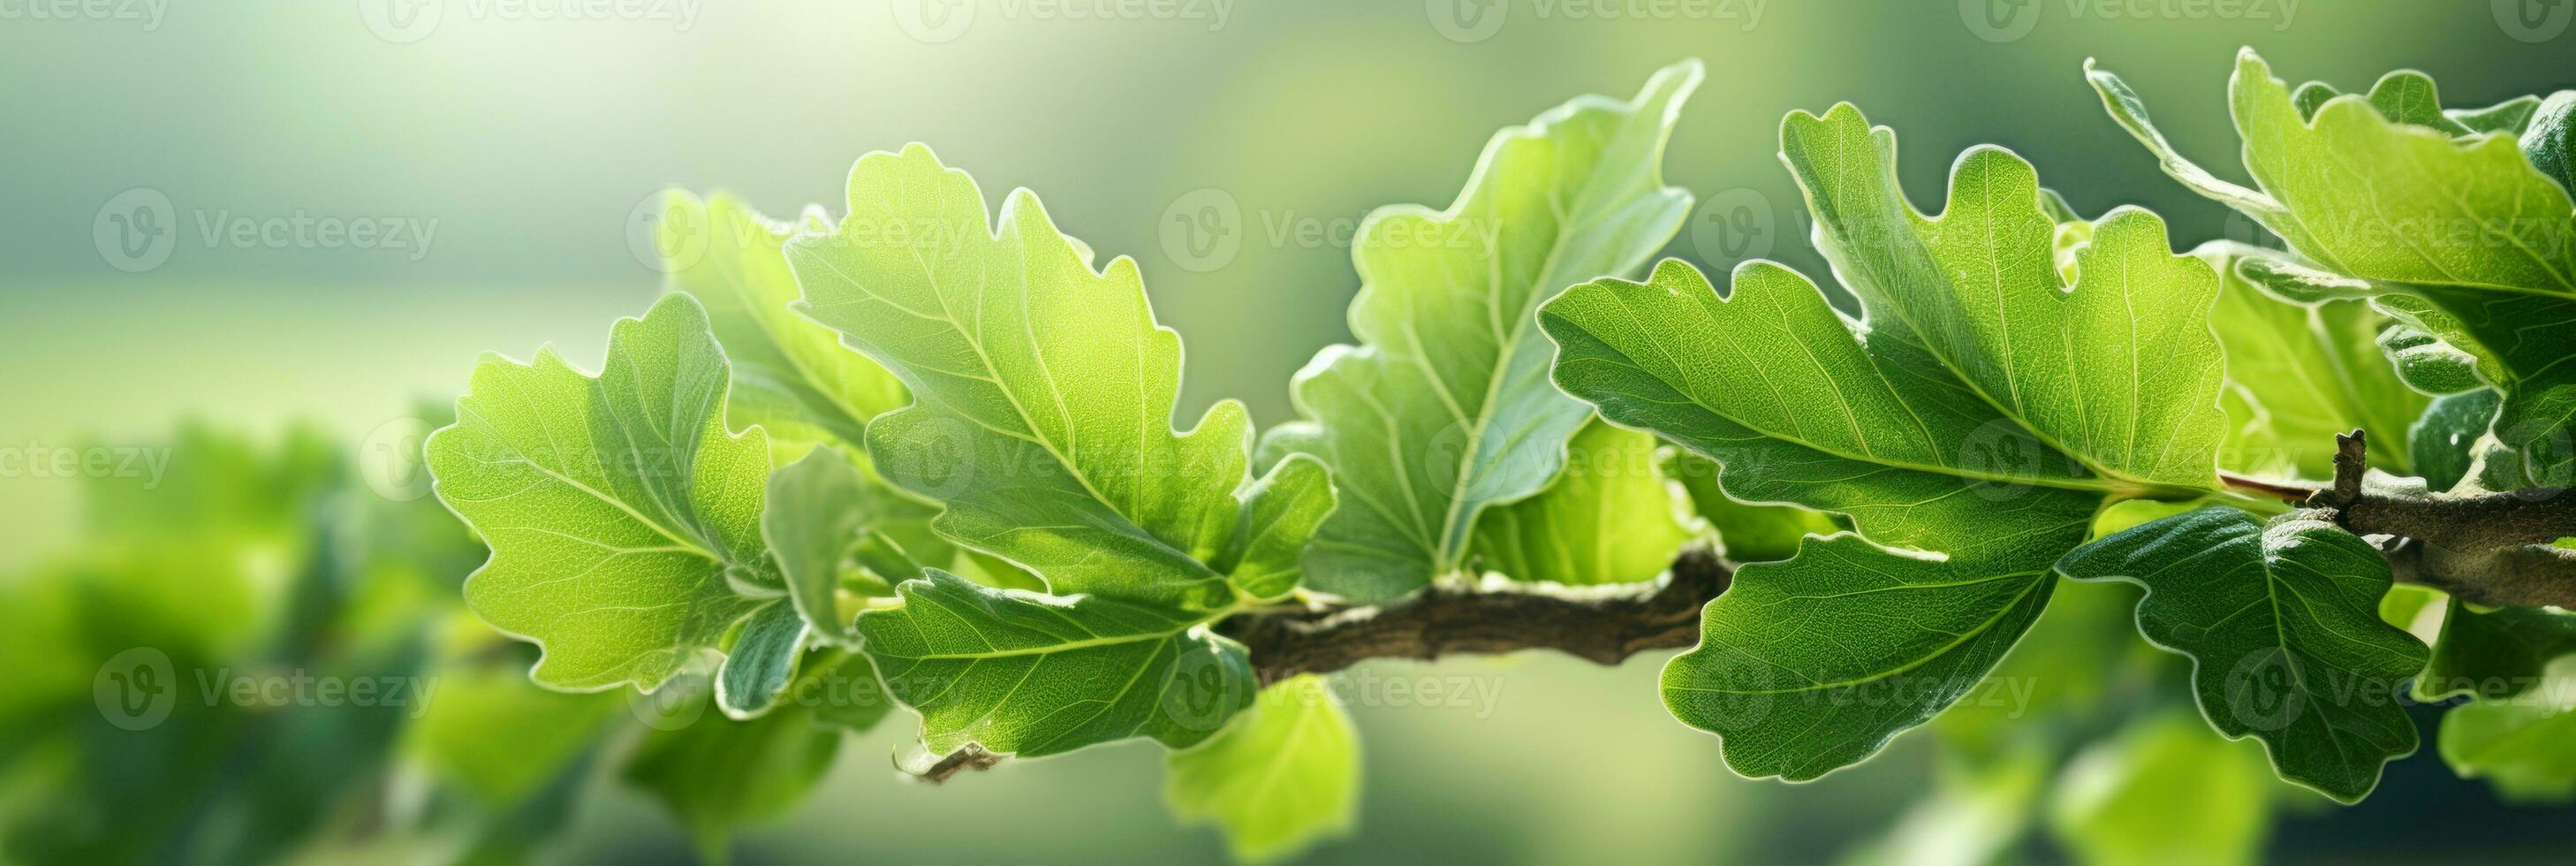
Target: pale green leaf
2428, 364
1279, 778
1981, 413
2524, 746
1043, 389
623, 517
791, 376
1746, 532
1029, 674
2464, 236
824, 516
1610, 517
2164, 791
2298, 374
2281, 621
1444, 409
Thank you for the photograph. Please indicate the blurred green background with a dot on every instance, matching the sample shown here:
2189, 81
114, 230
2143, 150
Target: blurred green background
523, 145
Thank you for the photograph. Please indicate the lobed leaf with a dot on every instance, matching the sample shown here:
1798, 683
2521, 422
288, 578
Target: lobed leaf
1281, 777
1444, 410
2281, 621
622, 515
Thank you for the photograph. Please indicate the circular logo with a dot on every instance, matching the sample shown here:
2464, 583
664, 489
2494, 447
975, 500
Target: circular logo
1202, 229
1467, 21
930, 455
934, 21
2533, 20
2000, 460
2263, 692
677, 704
136, 688
664, 240
391, 460
1999, 20
1205, 687
136, 230
401, 21
1732, 227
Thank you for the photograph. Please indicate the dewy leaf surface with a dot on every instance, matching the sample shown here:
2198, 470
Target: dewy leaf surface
1445, 409
2281, 621
1981, 414
2461, 234
1030, 674
1280, 777
623, 517
1043, 389
1610, 517
791, 376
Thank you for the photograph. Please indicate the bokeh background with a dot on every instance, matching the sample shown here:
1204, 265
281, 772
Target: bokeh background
525, 148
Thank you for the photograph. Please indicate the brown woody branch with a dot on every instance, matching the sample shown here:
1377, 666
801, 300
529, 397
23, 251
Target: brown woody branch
2488, 548
1601, 624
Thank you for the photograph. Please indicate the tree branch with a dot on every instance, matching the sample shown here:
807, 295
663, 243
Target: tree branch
1601, 624
2488, 548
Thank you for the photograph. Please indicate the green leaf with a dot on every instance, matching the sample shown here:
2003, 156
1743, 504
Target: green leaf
1043, 391
760, 661
500, 738
2509, 117
1281, 777
2428, 364
2497, 654
2164, 791
2524, 746
717, 774
623, 517
1981, 413
2281, 621
791, 376
2441, 440
2550, 141
1746, 532
1812, 664
2297, 374
1445, 409
824, 514
1610, 517
1029, 674
2462, 236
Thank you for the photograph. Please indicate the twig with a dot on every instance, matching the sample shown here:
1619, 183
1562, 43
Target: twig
1600, 624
